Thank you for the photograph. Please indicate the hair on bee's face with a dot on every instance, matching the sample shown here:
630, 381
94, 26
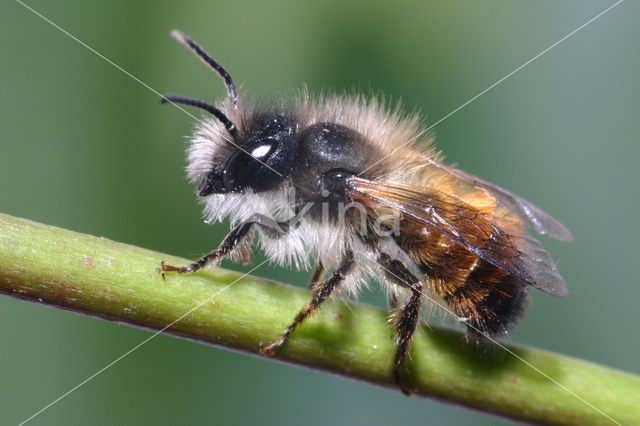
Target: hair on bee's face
260, 156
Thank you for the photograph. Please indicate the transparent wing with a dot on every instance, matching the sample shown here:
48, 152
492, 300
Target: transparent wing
528, 213
509, 249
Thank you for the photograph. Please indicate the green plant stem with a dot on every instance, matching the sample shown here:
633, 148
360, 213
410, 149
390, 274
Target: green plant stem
119, 282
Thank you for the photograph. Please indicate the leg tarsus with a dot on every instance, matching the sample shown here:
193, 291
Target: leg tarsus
321, 291
168, 268
231, 242
407, 317
405, 327
204, 260
397, 362
264, 348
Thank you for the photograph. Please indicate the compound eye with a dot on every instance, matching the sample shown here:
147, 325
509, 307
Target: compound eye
243, 170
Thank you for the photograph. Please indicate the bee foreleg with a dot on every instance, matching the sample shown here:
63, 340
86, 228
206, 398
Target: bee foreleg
233, 240
321, 291
407, 317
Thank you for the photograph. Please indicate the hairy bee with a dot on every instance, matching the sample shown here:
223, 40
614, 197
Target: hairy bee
356, 188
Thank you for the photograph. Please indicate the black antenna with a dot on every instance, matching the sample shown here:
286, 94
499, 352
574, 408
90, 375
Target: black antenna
178, 99
193, 46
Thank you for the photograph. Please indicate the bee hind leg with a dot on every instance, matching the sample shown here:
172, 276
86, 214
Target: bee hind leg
320, 292
406, 318
232, 241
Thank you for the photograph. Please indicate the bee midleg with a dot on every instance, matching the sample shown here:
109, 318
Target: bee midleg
408, 315
321, 291
232, 240
316, 275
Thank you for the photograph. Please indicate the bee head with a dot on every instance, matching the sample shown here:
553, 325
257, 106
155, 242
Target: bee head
258, 157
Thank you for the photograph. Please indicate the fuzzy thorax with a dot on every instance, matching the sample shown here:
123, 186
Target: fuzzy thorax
393, 136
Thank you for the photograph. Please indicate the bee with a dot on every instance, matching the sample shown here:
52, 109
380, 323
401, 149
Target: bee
358, 189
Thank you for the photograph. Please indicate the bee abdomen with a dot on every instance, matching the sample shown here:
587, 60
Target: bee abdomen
490, 300
487, 299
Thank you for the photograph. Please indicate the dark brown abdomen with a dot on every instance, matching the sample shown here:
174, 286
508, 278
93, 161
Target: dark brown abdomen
488, 299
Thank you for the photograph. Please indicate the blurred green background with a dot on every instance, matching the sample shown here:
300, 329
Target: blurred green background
87, 148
